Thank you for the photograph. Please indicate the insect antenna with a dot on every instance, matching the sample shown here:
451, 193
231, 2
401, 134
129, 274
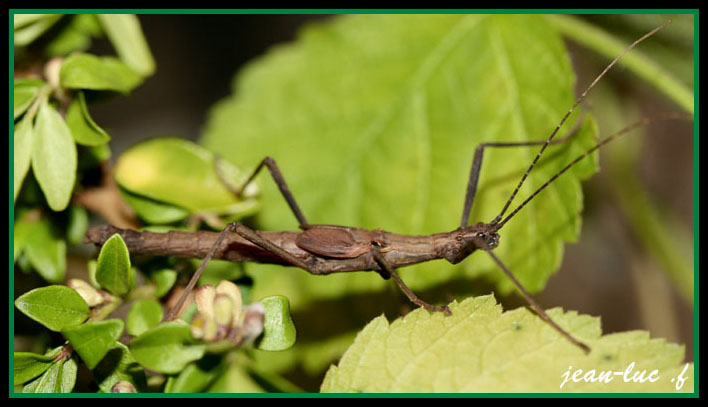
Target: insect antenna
633, 126
496, 220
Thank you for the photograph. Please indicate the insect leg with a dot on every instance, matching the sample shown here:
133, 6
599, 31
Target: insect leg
536, 306
477, 167
279, 181
193, 282
381, 261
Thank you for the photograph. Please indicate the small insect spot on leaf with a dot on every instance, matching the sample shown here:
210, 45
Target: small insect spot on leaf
517, 326
608, 357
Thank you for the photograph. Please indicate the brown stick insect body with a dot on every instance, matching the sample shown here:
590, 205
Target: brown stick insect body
327, 249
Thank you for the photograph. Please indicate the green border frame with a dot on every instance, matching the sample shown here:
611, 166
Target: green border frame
694, 12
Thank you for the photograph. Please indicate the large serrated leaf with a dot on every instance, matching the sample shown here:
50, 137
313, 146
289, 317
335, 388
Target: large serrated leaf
374, 121
482, 349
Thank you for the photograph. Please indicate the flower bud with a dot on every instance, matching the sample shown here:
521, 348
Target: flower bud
223, 310
204, 297
86, 291
232, 291
123, 386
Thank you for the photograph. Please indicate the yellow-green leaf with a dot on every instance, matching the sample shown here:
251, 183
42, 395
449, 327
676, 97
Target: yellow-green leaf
179, 172
479, 348
53, 157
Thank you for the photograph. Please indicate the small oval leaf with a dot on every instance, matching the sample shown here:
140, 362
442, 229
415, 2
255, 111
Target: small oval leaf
278, 328
164, 279
29, 365
113, 271
153, 212
84, 71
93, 340
83, 128
24, 93
124, 32
45, 251
22, 151
167, 348
53, 157
57, 307
143, 315
59, 378
181, 173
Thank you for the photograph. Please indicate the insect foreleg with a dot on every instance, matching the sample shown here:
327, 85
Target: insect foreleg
477, 167
539, 310
269, 163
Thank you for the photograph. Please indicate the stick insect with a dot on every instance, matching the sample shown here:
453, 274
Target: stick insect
327, 249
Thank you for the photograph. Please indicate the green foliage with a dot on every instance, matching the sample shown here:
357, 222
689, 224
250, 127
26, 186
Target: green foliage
53, 157
119, 365
166, 348
59, 378
83, 128
113, 271
127, 37
144, 315
28, 365
24, 93
278, 328
482, 349
180, 173
56, 307
93, 340
85, 71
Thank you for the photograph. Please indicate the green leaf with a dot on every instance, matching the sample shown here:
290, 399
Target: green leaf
166, 348
22, 151
93, 340
31, 28
196, 376
57, 307
179, 172
83, 128
143, 315
78, 224
278, 328
164, 279
53, 157
25, 91
113, 271
378, 130
20, 20
91, 265
45, 251
29, 365
153, 212
124, 32
482, 349
84, 71
76, 36
117, 365
59, 378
